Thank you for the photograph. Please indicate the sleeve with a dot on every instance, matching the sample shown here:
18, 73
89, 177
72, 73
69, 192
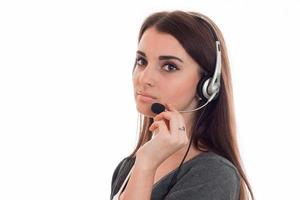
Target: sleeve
115, 174
214, 184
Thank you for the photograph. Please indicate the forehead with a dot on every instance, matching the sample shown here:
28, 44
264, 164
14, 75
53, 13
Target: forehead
156, 43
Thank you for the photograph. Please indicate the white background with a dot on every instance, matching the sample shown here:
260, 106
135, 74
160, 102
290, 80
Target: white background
67, 112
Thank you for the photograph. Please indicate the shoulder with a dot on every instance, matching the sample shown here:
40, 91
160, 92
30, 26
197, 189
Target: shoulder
215, 168
120, 173
212, 162
209, 176
123, 163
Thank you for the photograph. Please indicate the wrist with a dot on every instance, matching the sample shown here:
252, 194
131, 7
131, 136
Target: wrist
143, 164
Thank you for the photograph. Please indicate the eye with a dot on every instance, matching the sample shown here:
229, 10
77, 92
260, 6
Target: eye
170, 67
140, 61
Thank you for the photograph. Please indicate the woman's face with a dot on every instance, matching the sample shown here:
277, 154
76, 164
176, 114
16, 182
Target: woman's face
164, 71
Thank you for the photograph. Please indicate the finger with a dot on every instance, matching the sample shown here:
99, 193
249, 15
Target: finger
163, 115
174, 110
160, 125
173, 119
171, 107
168, 115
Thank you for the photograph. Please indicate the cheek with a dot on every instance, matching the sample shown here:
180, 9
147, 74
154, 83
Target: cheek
134, 78
181, 92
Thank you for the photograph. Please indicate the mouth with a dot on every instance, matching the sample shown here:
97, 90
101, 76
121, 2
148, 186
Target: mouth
145, 97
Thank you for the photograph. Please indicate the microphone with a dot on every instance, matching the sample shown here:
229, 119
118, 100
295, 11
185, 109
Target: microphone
158, 107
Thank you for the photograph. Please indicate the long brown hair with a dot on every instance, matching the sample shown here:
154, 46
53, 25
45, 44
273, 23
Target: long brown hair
216, 130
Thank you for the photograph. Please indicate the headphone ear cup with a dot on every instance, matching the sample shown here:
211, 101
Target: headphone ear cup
203, 86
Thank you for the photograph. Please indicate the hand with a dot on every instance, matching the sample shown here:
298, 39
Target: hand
170, 136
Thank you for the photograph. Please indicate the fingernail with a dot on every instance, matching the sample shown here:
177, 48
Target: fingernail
150, 128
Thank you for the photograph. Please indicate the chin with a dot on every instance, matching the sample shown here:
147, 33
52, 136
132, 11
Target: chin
145, 110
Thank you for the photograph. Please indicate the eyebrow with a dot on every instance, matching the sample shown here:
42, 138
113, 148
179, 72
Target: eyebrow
163, 57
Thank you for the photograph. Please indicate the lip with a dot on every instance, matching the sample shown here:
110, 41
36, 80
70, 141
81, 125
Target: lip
145, 98
146, 95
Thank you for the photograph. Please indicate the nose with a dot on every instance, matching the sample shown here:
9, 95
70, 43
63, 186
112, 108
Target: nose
148, 75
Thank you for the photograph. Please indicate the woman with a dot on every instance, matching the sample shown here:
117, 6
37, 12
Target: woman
189, 150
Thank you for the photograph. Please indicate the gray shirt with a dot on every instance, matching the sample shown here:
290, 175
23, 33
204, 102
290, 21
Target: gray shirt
206, 176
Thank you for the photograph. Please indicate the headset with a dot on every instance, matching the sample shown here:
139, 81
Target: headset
208, 87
